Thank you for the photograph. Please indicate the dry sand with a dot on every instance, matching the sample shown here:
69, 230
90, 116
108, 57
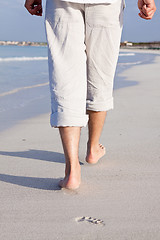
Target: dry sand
122, 190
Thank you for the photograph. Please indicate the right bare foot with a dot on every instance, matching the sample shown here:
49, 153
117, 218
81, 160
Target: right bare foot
95, 153
72, 179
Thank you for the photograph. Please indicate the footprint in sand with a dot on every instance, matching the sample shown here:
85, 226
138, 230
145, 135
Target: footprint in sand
90, 220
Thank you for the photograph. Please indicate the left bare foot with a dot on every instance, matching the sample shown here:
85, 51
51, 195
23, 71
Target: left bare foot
73, 179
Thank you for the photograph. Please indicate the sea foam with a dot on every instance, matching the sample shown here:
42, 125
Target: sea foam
19, 59
126, 54
22, 88
13, 59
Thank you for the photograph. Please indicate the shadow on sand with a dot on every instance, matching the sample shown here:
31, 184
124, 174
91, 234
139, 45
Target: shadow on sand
38, 155
122, 82
32, 182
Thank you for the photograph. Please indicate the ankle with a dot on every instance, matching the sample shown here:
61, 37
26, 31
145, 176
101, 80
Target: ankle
92, 146
75, 173
75, 166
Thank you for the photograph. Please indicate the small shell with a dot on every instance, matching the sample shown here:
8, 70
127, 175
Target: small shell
90, 220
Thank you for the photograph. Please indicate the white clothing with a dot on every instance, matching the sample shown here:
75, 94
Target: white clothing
83, 46
90, 1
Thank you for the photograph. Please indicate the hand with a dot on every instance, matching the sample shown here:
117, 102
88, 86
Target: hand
147, 8
34, 7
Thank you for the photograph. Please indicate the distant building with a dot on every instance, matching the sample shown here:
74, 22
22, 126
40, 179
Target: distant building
126, 43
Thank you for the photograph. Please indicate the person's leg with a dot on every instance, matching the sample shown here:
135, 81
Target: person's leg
103, 33
95, 150
68, 80
70, 140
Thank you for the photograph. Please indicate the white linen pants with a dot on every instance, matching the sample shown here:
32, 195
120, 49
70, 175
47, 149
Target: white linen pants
83, 47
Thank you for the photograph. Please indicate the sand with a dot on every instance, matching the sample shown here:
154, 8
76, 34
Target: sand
122, 190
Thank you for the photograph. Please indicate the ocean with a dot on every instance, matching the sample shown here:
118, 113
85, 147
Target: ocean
24, 89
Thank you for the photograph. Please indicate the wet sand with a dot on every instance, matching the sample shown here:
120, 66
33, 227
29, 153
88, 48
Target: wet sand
121, 191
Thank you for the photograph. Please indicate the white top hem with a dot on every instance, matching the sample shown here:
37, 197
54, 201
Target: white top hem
90, 1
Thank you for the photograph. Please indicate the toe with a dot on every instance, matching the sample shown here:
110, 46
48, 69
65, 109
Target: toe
101, 146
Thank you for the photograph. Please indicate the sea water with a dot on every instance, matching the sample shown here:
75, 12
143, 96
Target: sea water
24, 88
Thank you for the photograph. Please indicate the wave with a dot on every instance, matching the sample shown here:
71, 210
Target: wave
126, 54
131, 63
22, 88
19, 59
13, 59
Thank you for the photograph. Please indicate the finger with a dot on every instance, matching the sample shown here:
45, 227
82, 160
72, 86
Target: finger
149, 11
146, 10
142, 15
38, 11
146, 17
150, 14
34, 9
29, 8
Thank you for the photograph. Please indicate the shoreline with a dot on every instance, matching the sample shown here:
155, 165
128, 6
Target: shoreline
122, 190
40, 106
123, 45
137, 50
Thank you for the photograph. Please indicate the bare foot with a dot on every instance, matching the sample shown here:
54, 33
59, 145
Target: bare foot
72, 179
94, 154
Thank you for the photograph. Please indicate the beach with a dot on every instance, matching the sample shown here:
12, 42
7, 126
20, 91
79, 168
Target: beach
119, 196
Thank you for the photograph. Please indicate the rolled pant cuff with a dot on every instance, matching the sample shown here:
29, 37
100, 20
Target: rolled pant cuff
100, 106
61, 119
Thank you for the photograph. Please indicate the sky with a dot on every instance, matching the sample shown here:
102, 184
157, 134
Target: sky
17, 24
